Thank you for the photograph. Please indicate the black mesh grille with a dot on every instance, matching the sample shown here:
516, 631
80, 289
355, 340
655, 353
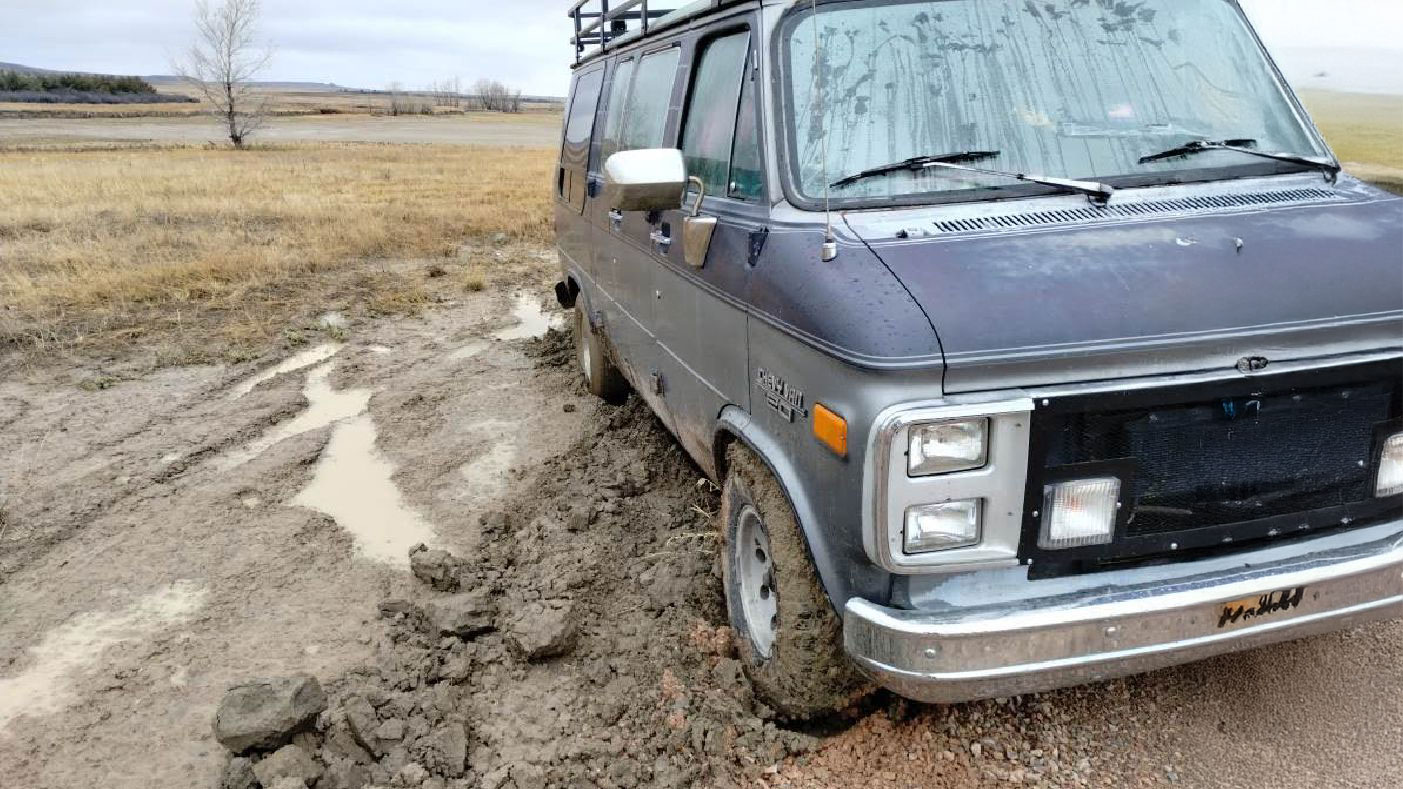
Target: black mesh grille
1219, 466
1234, 459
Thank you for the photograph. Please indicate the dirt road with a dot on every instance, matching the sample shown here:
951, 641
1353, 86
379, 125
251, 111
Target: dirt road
176, 534
528, 130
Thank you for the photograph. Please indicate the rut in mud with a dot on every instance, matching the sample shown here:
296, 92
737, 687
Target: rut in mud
636, 685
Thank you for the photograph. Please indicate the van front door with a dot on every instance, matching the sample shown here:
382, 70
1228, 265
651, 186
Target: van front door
702, 335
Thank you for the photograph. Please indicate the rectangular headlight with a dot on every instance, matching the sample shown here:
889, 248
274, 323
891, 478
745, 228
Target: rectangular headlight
1390, 480
945, 447
1079, 512
942, 527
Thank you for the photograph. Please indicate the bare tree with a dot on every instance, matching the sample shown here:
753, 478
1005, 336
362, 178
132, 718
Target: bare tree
493, 96
223, 62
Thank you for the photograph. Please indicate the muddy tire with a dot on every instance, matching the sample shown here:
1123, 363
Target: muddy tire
602, 378
796, 662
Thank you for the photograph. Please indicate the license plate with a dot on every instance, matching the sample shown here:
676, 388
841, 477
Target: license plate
1251, 609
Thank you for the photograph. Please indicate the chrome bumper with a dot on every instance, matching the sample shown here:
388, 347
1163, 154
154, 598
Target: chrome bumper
1041, 645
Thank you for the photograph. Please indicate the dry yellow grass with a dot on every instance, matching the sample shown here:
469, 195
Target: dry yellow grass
198, 254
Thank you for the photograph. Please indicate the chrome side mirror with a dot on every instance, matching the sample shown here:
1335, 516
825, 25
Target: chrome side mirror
645, 180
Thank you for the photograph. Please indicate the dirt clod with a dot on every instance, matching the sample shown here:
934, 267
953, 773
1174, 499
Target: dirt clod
287, 762
544, 630
439, 569
464, 615
238, 774
266, 713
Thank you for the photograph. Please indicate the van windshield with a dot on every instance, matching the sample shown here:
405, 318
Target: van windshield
1070, 88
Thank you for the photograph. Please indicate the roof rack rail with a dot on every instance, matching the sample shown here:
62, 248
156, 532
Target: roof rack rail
599, 22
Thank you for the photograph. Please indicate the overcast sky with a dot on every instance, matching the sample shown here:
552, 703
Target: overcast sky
370, 43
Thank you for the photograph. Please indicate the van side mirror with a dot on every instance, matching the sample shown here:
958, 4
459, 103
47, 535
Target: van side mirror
646, 180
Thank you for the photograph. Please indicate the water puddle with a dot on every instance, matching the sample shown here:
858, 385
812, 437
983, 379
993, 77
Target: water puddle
532, 321
354, 485
306, 358
353, 482
326, 406
45, 687
468, 351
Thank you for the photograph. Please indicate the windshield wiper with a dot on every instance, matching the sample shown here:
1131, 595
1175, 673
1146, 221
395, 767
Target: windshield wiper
1329, 167
1099, 193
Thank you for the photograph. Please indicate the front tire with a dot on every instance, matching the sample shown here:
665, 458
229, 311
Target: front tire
602, 378
786, 632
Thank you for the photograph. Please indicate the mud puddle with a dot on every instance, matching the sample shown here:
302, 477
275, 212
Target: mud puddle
354, 485
326, 406
307, 358
77, 646
532, 320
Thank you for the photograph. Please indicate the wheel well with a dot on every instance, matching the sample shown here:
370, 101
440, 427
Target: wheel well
722, 443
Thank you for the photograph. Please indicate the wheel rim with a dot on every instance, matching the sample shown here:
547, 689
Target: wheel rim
755, 574
584, 348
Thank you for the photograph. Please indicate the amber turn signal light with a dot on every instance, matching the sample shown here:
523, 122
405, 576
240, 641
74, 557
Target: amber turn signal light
831, 430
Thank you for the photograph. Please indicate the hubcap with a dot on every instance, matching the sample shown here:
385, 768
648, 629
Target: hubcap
583, 349
756, 575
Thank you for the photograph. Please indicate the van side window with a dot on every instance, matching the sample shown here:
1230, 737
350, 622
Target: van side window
711, 110
747, 166
579, 128
645, 118
618, 97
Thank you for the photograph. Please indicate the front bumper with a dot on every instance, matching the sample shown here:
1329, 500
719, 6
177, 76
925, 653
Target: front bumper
1034, 645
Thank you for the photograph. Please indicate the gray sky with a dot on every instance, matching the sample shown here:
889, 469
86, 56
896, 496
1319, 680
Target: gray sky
370, 43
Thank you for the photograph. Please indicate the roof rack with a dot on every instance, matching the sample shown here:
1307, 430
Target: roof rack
599, 22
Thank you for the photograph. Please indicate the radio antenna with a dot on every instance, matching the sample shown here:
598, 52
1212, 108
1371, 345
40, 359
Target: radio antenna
830, 244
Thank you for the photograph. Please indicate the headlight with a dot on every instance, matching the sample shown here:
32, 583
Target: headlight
945, 447
1079, 512
1390, 480
941, 527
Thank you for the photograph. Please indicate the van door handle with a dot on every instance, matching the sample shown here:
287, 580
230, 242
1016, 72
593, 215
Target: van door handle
662, 239
616, 217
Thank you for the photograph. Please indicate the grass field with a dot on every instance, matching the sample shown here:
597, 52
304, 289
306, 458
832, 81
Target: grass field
1366, 132
193, 253
204, 254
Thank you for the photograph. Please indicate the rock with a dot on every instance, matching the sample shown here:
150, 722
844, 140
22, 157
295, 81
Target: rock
287, 783
287, 762
544, 630
464, 615
266, 713
238, 774
439, 569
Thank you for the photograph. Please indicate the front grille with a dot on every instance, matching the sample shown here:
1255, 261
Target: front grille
1215, 467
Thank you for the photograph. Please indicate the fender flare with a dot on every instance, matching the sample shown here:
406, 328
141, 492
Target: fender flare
734, 424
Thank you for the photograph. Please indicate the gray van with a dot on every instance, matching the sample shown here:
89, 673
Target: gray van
1032, 343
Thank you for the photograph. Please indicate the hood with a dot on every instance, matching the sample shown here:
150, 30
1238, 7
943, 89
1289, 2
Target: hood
1024, 297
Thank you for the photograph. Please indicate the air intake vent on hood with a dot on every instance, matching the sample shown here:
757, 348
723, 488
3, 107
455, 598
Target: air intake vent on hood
1125, 210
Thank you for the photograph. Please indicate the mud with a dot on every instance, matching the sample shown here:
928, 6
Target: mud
608, 663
